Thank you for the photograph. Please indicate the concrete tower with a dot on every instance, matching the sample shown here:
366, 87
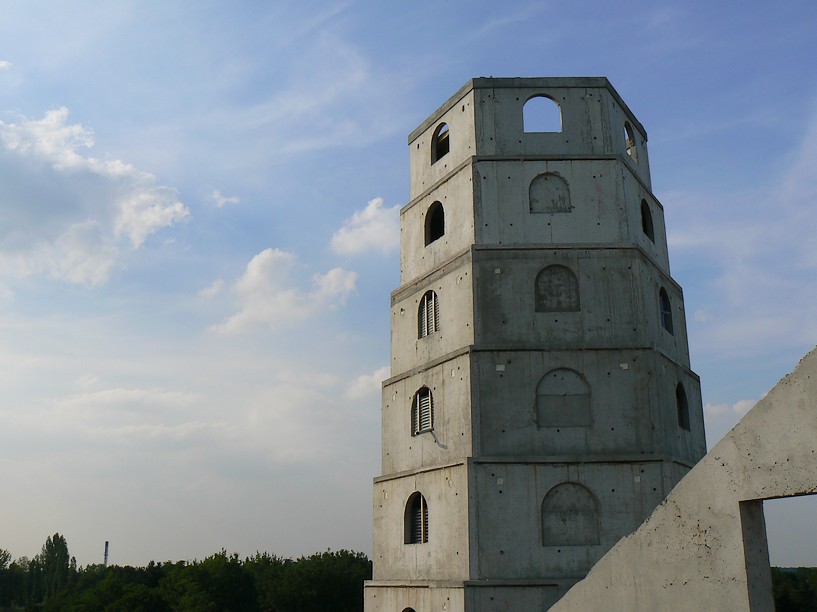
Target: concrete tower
541, 402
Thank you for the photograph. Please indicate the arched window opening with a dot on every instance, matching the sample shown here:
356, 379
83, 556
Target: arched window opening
542, 114
435, 222
682, 406
557, 290
666, 310
629, 141
569, 516
646, 221
408, 609
428, 318
549, 193
440, 144
422, 412
416, 520
563, 400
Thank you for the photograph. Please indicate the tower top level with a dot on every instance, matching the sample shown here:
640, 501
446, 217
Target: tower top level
526, 118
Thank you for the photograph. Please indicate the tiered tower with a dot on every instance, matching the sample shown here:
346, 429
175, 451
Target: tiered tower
541, 402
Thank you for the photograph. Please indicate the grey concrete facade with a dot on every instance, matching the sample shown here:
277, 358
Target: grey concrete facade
541, 402
705, 547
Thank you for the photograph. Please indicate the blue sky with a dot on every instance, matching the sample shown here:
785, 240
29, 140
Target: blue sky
198, 236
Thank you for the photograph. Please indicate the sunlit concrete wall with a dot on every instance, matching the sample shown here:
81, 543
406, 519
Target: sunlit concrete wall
705, 548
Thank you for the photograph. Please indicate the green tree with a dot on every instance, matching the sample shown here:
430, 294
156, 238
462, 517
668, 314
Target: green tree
58, 568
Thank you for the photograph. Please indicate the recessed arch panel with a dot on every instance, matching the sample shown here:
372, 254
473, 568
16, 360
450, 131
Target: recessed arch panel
563, 400
549, 193
557, 290
569, 516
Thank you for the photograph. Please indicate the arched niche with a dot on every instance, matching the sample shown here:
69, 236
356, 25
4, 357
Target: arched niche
549, 193
569, 516
557, 290
563, 400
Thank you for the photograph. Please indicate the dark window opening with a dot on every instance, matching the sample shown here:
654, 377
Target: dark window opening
422, 412
666, 310
541, 114
682, 406
416, 520
440, 144
646, 221
435, 222
428, 318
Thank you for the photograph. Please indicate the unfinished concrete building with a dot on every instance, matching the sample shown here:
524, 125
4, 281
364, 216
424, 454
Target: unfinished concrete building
541, 402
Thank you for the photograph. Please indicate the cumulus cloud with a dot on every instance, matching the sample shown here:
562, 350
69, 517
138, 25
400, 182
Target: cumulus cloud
67, 212
221, 200
267, 297
4, 65
213, 290
372, 229
367, 385
738, 409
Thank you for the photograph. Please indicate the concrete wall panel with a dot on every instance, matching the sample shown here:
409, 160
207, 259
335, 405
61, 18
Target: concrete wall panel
451, 437
703, 547
445, 555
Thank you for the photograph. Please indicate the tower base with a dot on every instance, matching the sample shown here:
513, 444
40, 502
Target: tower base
468, 596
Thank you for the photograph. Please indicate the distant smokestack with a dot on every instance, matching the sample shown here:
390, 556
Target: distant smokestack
106, 553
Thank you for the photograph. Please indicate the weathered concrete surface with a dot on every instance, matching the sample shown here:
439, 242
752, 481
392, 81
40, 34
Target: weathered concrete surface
552, 376
704, 548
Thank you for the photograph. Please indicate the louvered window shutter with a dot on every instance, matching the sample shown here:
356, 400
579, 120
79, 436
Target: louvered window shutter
425, 519
436, 326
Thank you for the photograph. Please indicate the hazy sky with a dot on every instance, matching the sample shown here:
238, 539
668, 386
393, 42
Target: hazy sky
198, 237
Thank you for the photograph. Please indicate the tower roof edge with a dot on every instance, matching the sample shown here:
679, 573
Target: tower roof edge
525, 82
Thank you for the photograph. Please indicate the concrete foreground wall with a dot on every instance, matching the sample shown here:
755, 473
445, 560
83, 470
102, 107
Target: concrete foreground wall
704, 547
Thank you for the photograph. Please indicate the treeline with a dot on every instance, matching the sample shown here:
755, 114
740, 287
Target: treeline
795, 588
51, 581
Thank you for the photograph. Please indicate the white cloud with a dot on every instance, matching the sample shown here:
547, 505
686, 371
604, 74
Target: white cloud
738, 409
213, 290
145, 211
4, 65
372, 229
267, 298
66, 212
221, 200
367, 385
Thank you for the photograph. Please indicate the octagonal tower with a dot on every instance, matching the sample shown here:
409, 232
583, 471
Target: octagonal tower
541, 402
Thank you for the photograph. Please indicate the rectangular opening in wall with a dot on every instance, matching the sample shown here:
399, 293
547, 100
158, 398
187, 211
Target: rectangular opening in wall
791, 533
